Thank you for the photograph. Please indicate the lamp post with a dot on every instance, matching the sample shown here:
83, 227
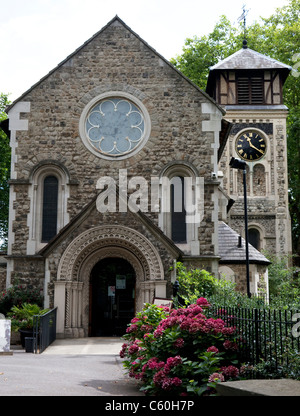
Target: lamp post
175, 288
241, 164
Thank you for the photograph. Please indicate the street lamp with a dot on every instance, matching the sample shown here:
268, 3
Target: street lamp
175, 288
241, 164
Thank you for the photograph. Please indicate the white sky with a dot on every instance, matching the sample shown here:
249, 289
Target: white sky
36, 35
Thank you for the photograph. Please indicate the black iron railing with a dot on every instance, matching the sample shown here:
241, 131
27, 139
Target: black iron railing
263, 335
44, 330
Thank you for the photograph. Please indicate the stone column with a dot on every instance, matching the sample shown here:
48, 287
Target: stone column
59, 302
76, 309
68, 318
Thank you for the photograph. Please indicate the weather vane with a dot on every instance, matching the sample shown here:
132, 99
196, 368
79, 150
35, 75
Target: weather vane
243, 17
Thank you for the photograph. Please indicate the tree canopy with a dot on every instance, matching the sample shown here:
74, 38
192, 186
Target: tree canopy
277, 36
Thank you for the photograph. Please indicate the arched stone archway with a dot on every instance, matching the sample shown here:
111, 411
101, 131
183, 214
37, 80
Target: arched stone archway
72, 286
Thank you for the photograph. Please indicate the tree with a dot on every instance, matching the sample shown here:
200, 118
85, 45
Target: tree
277, 36
199, 54
4, 174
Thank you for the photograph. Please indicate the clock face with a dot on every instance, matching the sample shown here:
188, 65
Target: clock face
250, 146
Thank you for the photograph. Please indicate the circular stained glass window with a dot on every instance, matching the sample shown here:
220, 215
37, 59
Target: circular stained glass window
115, 127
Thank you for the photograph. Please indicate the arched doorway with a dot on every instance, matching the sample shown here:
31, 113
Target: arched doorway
73, 287
112, 297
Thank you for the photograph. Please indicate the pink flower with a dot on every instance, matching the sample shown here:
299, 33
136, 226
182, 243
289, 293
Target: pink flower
179, 343
212, 349
214, 377
153, 364
229, 345
168, 383
123, 350
194, 327
229, 330
158, 332
146, 328
132, 328
231, 371
215, 325
173, 362
202, 302
159, 378
133, 349
194, 309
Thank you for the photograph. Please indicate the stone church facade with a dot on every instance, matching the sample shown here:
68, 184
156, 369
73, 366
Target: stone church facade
104, 150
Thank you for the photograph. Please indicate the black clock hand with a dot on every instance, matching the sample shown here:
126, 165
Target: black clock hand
251, 145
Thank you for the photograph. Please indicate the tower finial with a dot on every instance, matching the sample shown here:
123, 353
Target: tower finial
243, 17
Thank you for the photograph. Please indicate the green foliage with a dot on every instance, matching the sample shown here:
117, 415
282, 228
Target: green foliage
284, 287
22, 316
284, 282
277, 36
199, 54
185, 353
196, 283
16, 296
4, 174
294, 173
289, 366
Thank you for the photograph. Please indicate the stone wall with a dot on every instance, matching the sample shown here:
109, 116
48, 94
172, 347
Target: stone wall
115, 60
257, 278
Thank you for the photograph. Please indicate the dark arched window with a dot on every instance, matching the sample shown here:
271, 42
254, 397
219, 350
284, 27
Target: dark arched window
178, 213
49, 212
254, 238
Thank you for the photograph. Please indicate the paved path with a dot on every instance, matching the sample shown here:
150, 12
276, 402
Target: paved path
71, 367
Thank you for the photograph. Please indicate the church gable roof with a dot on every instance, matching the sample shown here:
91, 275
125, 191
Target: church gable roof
116, 21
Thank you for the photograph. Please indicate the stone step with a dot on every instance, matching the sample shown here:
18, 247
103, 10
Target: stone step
280, 387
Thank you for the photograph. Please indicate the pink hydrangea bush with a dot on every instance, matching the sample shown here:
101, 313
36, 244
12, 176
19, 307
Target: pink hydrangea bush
179, 352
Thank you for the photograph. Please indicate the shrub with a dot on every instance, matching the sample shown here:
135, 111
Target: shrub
284, 281
184, 353
196, 283
17, 295
22, 317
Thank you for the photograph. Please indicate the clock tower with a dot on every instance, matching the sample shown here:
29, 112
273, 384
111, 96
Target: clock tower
249, 86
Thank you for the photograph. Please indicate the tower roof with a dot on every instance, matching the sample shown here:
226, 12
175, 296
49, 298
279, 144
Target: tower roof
249, 59
246, 59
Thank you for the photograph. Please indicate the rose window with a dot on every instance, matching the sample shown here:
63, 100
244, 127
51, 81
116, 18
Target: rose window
115, 127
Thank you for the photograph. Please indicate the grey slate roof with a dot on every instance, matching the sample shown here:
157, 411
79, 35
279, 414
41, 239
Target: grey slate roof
249, 59
230, 252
